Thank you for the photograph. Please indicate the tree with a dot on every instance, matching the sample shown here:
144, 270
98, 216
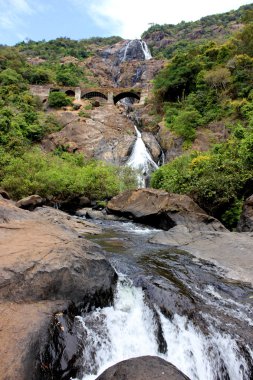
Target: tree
218, 78
58, 100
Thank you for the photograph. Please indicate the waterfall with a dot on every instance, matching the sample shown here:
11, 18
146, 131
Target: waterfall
129, 329
125, 51
145, 50
141, 160
136, 46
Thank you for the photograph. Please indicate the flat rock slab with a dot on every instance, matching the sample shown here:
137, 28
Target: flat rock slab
143, 368
231, 251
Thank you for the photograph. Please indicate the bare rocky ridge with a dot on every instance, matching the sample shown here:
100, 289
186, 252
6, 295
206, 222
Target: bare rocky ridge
45, 267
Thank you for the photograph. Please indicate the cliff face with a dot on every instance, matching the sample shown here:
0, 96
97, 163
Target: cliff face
125, 64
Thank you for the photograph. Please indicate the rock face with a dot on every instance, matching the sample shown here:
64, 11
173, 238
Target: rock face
143, 368
106, 134
45, 268
124, 65
160, 209
246, 221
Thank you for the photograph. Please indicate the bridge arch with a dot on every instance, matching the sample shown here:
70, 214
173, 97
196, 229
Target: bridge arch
94, 94
70, 93
123, 95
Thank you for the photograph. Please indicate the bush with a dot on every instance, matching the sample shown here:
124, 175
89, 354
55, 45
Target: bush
61, 176
216, 180
58, 100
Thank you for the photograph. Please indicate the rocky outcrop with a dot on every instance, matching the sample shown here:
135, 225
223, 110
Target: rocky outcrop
123, 65
172, 144
106, 134
163, 210
246, 220
143, 368
45, 268
31, 202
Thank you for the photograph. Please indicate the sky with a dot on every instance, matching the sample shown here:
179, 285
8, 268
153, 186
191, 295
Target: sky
77, 19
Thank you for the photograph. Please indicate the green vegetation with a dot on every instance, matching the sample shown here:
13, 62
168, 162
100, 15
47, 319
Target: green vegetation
216, 179
60, 177
58, 99
165, 40
24, 168
211, 83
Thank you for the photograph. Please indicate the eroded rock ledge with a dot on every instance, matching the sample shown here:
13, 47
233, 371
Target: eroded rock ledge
47, 274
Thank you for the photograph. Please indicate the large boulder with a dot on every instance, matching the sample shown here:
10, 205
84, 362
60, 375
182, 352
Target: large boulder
246, 221
163, 210
143, 368
47, 274
31, 202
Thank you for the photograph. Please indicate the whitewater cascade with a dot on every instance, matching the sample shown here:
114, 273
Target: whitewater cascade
145, 50
143, 46
129, 329
141, 160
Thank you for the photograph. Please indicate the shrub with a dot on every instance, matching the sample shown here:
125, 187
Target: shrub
61, 176
58, 100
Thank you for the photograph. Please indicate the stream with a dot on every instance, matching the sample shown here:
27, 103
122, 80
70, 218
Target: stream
169, 304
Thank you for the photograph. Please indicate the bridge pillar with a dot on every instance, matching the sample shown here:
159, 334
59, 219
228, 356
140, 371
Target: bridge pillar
77, 93
143, 97
110, 98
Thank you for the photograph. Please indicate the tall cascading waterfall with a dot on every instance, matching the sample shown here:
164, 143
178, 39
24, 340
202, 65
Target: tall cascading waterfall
137, 47
141, 160
145, 50
129, 329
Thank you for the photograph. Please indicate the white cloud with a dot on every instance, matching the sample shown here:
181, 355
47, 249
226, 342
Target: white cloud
12, 12
132, 17
20, 6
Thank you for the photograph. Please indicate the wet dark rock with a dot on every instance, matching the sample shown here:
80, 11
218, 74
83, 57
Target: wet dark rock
246, 220
4, 194
61, 356
143, 368
152, 145
160, 209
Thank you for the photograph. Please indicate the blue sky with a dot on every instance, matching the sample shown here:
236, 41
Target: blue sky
49, 19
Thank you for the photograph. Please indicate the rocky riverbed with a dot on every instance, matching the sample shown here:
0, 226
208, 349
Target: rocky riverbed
47, 267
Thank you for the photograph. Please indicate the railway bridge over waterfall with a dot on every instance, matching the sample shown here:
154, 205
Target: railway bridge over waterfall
104, 94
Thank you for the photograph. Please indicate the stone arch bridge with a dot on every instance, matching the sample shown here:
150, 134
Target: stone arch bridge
106, 94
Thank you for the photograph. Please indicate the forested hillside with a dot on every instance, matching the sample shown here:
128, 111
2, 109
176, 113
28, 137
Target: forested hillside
200, 87
206, 83
164, 40
24, 167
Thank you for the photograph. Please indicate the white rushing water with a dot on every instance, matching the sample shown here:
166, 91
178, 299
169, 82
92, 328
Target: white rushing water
128, 329
143, 46
140, 159
145, 50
